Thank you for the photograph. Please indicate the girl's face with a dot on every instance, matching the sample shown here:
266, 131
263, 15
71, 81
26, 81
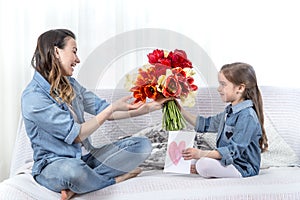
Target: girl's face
67, 57
230, 92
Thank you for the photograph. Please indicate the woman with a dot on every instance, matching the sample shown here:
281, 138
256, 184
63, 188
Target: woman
53, 106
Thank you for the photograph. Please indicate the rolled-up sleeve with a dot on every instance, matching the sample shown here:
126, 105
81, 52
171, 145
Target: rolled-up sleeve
227, 155
74, 132
200, 124
209, 124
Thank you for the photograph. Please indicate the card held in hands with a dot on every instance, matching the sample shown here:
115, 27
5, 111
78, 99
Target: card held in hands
178, 141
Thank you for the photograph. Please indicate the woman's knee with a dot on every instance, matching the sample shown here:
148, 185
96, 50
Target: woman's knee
142, 147
146, 145
137, 145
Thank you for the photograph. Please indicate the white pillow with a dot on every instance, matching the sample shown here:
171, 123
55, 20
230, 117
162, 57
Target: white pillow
22, 158
279, 153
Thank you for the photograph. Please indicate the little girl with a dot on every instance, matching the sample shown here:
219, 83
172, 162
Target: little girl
241, 135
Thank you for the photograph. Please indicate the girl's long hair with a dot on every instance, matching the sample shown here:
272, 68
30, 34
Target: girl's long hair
46, 63
241, 73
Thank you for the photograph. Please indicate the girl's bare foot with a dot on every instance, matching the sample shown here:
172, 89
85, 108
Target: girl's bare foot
193, 169
66, 194
128, 175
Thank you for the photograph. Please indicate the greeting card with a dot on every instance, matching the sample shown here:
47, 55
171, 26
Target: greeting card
178, 141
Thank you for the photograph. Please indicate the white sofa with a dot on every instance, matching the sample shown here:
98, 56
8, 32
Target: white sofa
279, 177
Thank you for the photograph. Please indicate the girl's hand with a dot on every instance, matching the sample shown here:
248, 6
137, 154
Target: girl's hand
194, 153
191, 153
123, 104
178, 104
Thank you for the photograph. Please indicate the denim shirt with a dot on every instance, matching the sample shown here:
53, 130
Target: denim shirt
50, 124
238, 133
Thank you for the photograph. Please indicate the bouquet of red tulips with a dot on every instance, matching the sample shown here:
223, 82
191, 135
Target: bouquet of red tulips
168, 74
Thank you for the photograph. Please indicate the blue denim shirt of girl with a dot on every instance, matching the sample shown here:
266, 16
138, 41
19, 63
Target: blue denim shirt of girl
50, 124
239, 132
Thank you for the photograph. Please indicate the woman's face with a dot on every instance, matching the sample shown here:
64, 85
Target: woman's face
68, 57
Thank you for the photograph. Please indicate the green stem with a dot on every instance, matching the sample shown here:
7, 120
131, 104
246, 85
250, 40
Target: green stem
172, 117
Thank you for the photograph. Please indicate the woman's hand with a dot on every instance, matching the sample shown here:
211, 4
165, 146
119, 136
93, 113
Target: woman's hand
133, 110
156, 105
123, 104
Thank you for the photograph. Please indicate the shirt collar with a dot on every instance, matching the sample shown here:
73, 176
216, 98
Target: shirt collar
42, 82
238, 107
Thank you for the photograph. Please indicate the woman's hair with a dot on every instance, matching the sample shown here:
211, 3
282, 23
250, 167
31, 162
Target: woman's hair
242, 73
46, 63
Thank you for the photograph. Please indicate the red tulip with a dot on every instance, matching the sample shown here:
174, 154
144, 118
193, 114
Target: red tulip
172, 87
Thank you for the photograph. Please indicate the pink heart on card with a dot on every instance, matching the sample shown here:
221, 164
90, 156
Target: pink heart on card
175, 151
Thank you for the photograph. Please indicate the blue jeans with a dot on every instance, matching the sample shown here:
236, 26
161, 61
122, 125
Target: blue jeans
97, 169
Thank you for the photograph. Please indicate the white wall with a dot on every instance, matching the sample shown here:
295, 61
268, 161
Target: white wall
262, 33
